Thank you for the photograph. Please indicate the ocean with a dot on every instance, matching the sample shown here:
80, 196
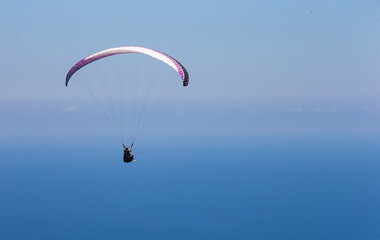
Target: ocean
191, 187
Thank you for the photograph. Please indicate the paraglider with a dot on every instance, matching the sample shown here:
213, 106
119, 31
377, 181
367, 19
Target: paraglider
168, 60
128, 156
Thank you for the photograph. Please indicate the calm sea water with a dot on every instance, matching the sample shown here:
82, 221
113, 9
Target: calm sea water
272, 187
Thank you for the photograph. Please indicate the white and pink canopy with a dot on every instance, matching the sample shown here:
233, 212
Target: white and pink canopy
131, 49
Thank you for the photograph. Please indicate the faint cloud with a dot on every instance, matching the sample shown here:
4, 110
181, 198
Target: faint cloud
318, 109
71, 108
365, 109
253, 111
369, 109
295, 109
332, 109
325, 110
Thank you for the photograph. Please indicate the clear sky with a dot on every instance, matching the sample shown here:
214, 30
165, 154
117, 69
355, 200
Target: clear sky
255, 66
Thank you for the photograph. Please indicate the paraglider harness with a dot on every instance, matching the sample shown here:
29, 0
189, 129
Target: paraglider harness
128, 156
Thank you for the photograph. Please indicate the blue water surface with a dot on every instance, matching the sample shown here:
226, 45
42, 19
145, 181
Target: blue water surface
209, 187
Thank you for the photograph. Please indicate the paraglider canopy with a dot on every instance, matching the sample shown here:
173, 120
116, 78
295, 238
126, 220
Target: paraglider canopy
131, 49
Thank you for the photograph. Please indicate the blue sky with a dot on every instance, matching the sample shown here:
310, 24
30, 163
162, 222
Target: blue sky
255, 66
